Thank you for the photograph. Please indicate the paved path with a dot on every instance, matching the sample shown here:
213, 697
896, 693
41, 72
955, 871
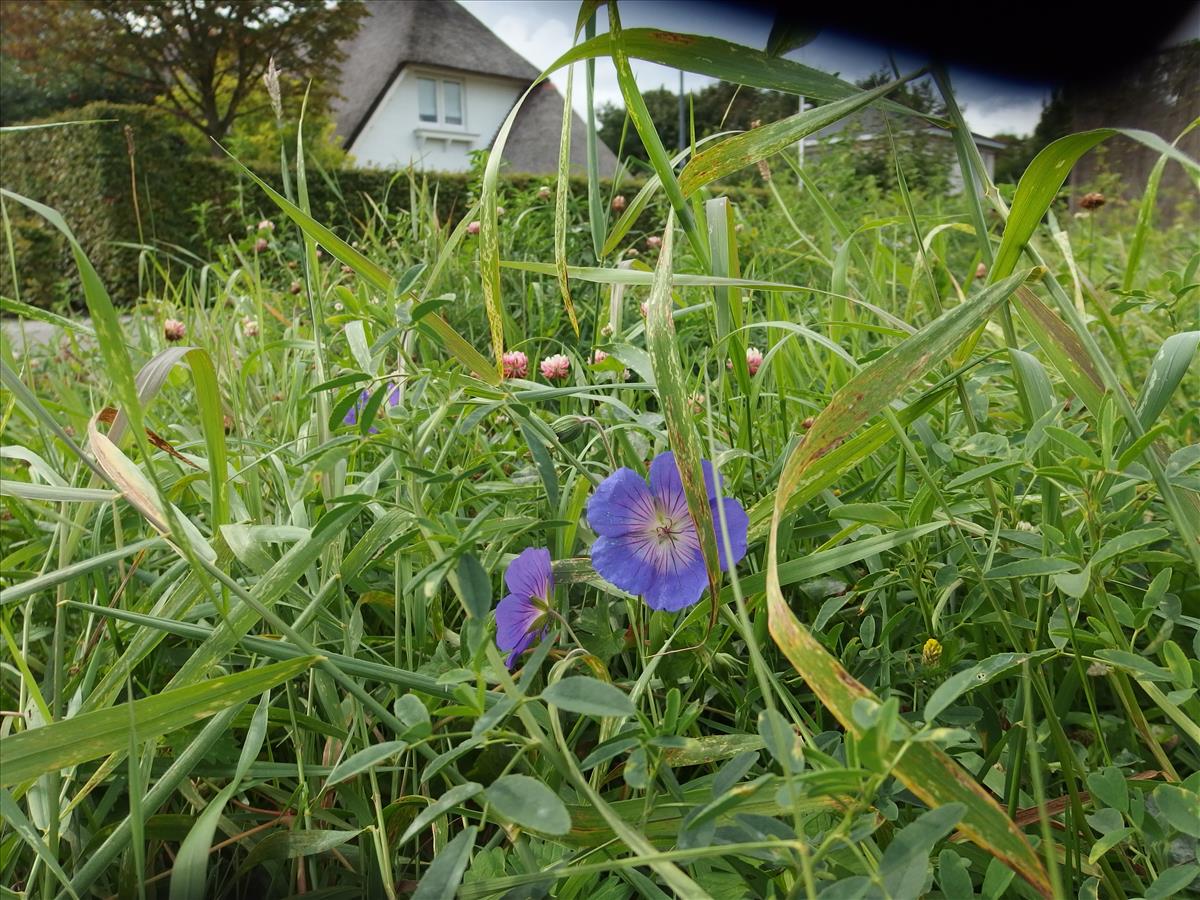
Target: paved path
21, 333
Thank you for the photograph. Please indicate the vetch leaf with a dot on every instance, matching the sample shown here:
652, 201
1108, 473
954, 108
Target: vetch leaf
456, 796
905, 862
443, 876
364, 760
589, 697
1180, 806
1109, 787
529, 803
972, 677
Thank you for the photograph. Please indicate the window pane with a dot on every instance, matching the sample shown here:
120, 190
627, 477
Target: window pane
427, 99
452, 96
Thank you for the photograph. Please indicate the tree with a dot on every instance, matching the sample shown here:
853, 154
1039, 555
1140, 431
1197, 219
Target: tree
202, 58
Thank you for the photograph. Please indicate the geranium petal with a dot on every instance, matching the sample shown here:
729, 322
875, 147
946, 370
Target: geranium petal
515, 616
737, 523
678, 588
621, 504
626, 562
530, 575
667, 485
522, 645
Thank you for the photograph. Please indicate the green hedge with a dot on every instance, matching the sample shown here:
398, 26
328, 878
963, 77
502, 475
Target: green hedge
184, 200
86, 172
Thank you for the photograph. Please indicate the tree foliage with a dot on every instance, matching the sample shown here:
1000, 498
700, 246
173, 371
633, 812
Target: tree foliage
203, 59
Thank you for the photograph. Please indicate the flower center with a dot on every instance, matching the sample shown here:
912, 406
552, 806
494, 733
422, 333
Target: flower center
668, 529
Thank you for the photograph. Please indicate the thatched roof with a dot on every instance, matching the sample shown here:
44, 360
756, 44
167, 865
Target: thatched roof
533, 144
396, 33
441, 33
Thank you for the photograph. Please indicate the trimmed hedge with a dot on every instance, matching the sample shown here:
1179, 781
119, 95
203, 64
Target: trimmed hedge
184, 199
86, 172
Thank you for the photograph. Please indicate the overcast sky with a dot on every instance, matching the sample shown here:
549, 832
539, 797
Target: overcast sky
541, 30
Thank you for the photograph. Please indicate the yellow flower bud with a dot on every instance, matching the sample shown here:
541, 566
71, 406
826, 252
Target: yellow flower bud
931, 653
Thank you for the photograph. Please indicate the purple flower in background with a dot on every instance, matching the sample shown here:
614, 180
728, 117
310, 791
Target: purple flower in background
351, 417
521, 615
647, 541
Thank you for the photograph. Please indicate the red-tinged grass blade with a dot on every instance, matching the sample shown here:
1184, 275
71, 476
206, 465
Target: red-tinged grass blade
560, 204
736, 153
871, 389
923, 768
150, 379
1040, 183
1062, 347
92, 735
672, 394
376, 276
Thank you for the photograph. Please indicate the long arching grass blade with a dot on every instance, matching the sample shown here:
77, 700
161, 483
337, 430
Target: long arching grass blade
923, 768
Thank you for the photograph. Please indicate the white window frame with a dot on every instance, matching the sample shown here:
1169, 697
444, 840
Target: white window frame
440, 99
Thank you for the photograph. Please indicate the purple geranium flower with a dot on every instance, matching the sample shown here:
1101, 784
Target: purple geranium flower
521, 616
647, 541
351, 417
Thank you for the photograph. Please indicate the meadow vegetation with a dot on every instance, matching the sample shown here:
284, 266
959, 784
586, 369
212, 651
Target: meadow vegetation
255, 536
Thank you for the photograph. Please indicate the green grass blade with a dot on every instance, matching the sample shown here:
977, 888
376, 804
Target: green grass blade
1040, 183
639, 115
595, 202
268, 589
673, 396
14, 818
736, 153
279, 649
1167, 370
92, 735
1149, 204
26, 589
562, 190
189, 874
215, 730
721, 59
456, 345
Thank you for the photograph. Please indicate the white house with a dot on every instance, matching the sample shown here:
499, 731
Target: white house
425, 83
